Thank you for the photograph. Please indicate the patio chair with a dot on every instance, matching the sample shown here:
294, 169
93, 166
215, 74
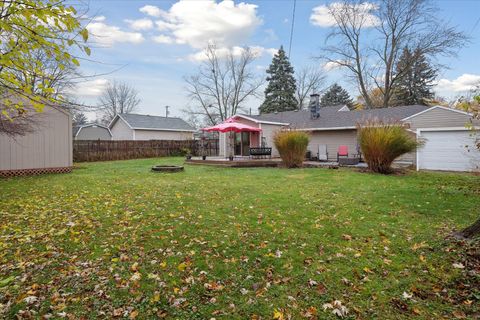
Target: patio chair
359, 153
322, 152
342, 152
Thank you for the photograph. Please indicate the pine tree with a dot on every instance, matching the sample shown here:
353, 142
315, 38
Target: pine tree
416, 82
335, 96
79, 118
280, 91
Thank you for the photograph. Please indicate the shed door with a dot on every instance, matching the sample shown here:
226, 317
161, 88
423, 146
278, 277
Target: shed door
448, 150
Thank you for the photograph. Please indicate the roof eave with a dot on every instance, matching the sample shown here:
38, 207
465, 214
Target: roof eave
164, 129
261, 121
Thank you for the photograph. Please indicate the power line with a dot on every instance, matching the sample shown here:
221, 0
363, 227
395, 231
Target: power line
291, 30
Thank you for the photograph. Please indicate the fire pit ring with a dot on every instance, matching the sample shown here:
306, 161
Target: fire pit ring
167, 168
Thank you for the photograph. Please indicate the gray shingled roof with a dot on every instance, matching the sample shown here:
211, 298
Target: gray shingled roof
140, 121
330, 117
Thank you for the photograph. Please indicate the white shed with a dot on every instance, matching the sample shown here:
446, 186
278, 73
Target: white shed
48, 149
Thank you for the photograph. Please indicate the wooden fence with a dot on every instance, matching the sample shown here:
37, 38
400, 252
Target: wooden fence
100, 150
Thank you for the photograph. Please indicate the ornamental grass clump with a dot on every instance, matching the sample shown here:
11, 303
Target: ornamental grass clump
292, 146
382, 142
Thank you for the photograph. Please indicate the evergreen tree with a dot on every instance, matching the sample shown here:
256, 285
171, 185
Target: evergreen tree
335, 96
280, 91
79, 118
415, 85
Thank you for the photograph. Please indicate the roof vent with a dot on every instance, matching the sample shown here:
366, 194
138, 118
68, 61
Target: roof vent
314, 106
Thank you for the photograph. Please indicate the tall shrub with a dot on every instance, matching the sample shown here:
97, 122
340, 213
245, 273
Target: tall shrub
292, 146
381, 143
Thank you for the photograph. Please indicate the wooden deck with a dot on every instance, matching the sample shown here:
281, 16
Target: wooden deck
236, 163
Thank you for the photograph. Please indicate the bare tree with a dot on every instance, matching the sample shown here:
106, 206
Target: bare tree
394, 24
118, 97
309, 80
223, 84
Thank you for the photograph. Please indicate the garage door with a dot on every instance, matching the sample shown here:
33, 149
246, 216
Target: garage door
448, 150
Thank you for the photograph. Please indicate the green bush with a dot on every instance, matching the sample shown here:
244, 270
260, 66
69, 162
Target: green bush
381, 143
292, 146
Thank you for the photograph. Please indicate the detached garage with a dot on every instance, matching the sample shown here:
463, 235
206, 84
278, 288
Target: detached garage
448, 143
451, 149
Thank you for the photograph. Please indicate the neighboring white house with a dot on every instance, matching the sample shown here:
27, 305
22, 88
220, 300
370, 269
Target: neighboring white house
48, 149
145, 127
92, 131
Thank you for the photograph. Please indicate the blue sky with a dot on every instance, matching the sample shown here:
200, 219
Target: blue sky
152, 44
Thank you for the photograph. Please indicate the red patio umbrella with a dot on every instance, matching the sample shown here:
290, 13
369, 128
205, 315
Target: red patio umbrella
230, 125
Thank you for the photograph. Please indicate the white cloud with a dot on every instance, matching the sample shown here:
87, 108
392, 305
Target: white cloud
332, 65
463, 83
322, 15
163, 39
152, 11
140, 24
198, 23
91, 89
235, 50
99, 18
107, 35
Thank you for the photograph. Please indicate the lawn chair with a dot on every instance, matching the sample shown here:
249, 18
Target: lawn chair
342, 152
322, 152
359, 153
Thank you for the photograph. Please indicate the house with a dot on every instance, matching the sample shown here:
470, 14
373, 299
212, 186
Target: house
47, 149
442, 130
91, 131
145, 127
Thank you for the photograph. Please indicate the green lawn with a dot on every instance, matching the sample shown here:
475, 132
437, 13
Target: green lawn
114, 239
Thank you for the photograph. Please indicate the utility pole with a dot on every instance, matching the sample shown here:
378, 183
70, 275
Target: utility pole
166, 111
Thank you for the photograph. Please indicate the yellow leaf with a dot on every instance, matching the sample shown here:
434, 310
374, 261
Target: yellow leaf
367, 270
182, 266
278, 315
422, 258
156, 297
163, 264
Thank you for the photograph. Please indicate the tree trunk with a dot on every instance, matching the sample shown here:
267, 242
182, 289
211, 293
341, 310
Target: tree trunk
471, 231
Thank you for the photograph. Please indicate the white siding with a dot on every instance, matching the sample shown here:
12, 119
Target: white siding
162, 135
333, 139
452, 150
49, 146
438, 118
121, 131
268, 131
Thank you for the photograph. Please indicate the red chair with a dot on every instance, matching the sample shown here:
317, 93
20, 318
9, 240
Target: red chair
342, 152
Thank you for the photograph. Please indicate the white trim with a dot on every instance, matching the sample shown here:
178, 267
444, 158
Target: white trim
344, 108
119, 116
325, 129
436, 107
261, 121
133, 136
419, 130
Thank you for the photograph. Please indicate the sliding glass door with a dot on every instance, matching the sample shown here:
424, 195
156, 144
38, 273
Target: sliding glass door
242, 143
